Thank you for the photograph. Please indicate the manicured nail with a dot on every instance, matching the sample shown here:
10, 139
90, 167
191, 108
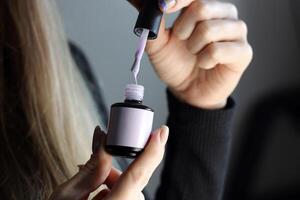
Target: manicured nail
164, 134
96, 139
166, 4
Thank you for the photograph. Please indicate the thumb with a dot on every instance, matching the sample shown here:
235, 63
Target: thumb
91, 175
135, 178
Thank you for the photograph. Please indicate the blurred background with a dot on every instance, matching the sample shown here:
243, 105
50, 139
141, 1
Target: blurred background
266, 149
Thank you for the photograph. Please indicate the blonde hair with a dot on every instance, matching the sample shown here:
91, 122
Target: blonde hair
46, 114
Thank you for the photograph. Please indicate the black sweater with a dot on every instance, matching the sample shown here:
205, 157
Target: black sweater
198, 146
197, 152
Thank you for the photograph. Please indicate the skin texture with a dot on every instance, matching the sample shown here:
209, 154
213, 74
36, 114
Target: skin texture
202, 57
99, 173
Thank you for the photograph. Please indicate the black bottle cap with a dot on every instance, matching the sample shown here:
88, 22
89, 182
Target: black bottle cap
149, 18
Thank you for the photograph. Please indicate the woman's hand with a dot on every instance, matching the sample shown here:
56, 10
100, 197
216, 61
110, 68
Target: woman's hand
203, 56
98, 172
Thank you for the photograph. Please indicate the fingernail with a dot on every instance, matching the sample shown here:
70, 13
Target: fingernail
96, 139
166, 4
164, 134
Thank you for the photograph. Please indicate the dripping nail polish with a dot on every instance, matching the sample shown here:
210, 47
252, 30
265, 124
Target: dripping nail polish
130, 124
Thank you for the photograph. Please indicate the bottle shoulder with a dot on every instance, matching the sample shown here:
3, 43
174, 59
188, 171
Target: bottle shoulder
132, 105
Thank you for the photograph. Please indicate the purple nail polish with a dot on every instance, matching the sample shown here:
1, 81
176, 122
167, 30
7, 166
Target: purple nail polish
166, 4
130, 124
163, 5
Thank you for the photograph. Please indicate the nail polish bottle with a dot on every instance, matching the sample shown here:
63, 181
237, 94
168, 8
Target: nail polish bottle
130, 124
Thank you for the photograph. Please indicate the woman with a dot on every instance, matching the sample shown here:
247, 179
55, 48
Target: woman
47, 106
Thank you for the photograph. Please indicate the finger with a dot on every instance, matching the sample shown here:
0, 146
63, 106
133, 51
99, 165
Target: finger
170, 6
200, 11
141, 196
90, 176
135, 178
112, 177
235, 55
219, 30
102, 194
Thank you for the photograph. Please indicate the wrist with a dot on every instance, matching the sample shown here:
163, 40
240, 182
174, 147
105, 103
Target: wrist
212, 105
199, 103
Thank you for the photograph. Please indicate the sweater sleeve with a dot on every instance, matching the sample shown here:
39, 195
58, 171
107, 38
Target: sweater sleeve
197, 152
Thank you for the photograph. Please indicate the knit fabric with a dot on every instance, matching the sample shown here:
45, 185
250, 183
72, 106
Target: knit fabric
197, 152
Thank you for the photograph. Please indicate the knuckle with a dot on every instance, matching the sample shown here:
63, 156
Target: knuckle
60, 193
92, 166
138, 176
104, 162
145, 181
157, 152
233, 9
204, 29
249, 51
242, 26
105, 166
246, 56
201, 9
141, 196
213, 51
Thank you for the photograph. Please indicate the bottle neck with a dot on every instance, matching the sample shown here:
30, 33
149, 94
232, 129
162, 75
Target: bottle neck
133, 101
134, 92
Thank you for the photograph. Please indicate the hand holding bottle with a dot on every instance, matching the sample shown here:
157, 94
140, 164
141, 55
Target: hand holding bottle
98, 171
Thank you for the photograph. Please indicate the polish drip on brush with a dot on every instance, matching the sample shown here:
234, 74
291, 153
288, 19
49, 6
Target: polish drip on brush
139, 53
146, 27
